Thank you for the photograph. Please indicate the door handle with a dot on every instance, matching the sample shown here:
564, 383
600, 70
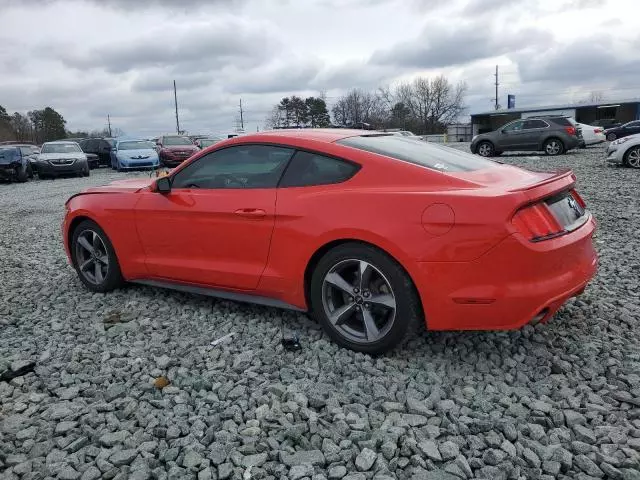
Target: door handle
251, 212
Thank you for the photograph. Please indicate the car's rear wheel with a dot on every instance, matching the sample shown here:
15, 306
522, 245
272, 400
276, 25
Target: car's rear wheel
553, 146
611, 137
86, 172
363, 299
94, 258
632, 157
485, 149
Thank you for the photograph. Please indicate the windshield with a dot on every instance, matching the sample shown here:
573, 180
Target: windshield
176, 141
419, 152
60, 148
7, 152
207, 142
138, 145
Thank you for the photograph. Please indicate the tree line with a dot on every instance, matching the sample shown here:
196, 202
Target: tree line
39, 126
423, 106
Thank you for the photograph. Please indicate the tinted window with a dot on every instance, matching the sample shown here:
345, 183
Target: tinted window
514, 127
105, 144
61, 148
633, 124
26, 150
528, 124
242, 166
419, 152
308, 169
135, 145
176, 141
565, 122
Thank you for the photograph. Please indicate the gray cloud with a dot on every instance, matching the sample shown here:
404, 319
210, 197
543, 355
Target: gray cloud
442, 45
204, 45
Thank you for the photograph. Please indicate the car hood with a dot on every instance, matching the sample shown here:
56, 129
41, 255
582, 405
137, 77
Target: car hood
144, 152
122, 186
55, 156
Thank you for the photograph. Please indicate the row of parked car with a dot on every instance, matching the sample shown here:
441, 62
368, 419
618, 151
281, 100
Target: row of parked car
77, 156
552, 134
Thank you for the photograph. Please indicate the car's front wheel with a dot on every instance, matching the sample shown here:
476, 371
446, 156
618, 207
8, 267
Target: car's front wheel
553, 146
611, 137
485, 149
632, 157
363, 298
94, 258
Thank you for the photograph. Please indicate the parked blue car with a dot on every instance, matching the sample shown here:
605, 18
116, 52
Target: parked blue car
131, 154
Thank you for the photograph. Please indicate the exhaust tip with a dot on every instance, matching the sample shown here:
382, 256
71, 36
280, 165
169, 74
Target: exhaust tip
539, 317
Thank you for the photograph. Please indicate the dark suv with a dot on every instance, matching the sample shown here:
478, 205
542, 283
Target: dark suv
99, 146
553, 135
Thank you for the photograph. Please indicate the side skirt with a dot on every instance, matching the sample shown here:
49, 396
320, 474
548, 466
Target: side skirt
224, 294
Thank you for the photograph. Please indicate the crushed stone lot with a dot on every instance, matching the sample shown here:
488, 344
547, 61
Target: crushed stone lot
561, 400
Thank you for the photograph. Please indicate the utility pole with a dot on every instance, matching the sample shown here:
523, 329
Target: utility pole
109, 124
175, 99
496, 99
241, 117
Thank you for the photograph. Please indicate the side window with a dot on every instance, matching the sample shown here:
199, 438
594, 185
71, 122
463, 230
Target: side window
91, 146
514, 127
308, 169
241, 166
531, 124
104, 146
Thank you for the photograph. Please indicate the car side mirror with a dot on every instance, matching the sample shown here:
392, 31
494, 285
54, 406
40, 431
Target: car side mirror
163, 185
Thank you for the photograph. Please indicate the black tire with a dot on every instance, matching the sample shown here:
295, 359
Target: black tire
112, 277
23, 175
611, 137
485, 149
30, 172
86, 172
553, 146
408, 311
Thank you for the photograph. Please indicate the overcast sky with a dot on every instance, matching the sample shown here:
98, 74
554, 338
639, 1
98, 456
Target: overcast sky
90, 58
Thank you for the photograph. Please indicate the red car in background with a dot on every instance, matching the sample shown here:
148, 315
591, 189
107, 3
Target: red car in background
370, 232
174, 149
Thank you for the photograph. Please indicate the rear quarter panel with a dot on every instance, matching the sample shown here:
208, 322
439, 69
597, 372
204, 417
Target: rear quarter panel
390, 217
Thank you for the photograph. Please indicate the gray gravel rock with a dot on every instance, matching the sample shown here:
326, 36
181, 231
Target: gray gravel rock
558, 400
365, 459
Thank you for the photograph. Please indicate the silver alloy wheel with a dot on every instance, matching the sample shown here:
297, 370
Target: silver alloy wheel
91, 257
358, 301
553, 147
633, 157
484, 150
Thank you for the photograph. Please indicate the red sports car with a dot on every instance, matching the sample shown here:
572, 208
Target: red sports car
369, 232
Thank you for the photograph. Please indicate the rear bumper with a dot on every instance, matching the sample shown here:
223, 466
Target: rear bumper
510, 285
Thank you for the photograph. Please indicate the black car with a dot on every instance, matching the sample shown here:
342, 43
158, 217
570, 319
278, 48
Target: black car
99, 146
606, 123
554, 134
625, 130
13, 164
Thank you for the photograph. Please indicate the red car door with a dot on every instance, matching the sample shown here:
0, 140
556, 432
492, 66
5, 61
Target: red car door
214, 227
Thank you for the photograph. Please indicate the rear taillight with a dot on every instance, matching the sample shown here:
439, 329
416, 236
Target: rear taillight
576, 196
536, 222
598, 130
570, 130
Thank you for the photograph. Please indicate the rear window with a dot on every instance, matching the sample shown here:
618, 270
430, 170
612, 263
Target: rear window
419, 152
564, 121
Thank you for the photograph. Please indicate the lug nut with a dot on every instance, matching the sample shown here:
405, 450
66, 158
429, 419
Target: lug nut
350, 298
356, 290
366, 293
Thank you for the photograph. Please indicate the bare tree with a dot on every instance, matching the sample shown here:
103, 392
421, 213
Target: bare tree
596, 97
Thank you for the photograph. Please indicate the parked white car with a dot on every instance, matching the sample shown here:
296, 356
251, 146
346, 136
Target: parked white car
592, 135
625, 151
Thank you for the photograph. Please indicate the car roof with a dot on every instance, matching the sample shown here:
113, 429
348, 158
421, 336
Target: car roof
326, 135
60, 142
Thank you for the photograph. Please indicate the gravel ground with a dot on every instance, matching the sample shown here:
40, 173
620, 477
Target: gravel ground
561, 400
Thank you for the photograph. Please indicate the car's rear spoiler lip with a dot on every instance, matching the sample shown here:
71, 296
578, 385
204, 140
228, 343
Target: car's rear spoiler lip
559, 175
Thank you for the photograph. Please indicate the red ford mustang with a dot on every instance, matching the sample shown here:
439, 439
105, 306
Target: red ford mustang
369, 232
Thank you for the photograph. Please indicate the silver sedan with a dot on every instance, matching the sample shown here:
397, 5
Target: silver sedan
625, 151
